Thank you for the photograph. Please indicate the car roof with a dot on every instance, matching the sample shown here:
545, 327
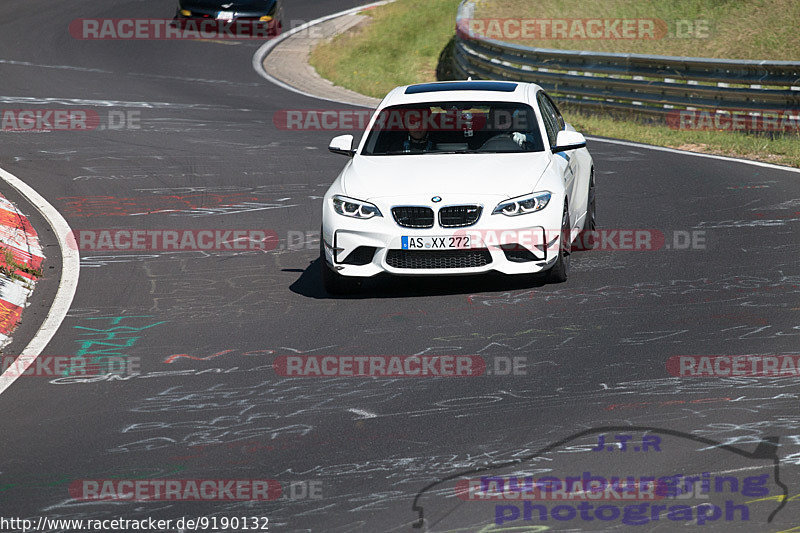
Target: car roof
469, 90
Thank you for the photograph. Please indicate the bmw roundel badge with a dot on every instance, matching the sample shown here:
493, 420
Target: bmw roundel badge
436, 199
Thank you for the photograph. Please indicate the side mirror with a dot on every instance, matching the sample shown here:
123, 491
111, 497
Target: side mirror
569, 140
343, 144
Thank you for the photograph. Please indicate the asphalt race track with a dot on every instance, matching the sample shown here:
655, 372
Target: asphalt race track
364, 454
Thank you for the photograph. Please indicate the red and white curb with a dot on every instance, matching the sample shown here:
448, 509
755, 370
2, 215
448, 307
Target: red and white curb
67, 284
19, 242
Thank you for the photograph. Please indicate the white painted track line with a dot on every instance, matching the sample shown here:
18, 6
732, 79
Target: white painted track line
266, 48
70, 271
697, 154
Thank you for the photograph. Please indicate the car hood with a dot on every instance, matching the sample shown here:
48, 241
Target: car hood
506, 175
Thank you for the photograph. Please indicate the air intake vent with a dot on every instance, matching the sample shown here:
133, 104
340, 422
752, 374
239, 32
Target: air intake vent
459, 216
413, 216
438, 258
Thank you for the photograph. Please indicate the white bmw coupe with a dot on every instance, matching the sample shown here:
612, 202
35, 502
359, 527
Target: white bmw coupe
459, 177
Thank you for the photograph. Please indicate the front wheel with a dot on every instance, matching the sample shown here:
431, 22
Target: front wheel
588, 236
590, 224
558, 273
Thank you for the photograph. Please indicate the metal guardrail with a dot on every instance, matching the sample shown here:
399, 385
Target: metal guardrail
646, 84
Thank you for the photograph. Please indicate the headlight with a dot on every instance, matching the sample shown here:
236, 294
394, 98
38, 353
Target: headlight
353, 208
523, 204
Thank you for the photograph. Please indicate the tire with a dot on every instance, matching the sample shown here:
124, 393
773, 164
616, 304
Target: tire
334, 282
588, 237
590, 224
559, 272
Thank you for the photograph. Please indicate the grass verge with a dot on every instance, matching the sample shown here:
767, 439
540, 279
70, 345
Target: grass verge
403, 42
780, 150
400, 45
11, 268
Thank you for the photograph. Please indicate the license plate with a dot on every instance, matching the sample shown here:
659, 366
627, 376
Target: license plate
225, 15
459, 242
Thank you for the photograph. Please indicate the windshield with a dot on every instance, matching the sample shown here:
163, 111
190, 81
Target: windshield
454, 127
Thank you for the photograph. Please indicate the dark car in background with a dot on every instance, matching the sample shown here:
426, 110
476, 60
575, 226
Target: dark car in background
262, 14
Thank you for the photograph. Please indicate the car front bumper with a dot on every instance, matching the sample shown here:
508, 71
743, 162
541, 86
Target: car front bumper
511, 245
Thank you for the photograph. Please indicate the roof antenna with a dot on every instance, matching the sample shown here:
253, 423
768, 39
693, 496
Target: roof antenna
469, 78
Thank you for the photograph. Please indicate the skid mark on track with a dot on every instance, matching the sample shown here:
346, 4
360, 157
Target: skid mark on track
172, 358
